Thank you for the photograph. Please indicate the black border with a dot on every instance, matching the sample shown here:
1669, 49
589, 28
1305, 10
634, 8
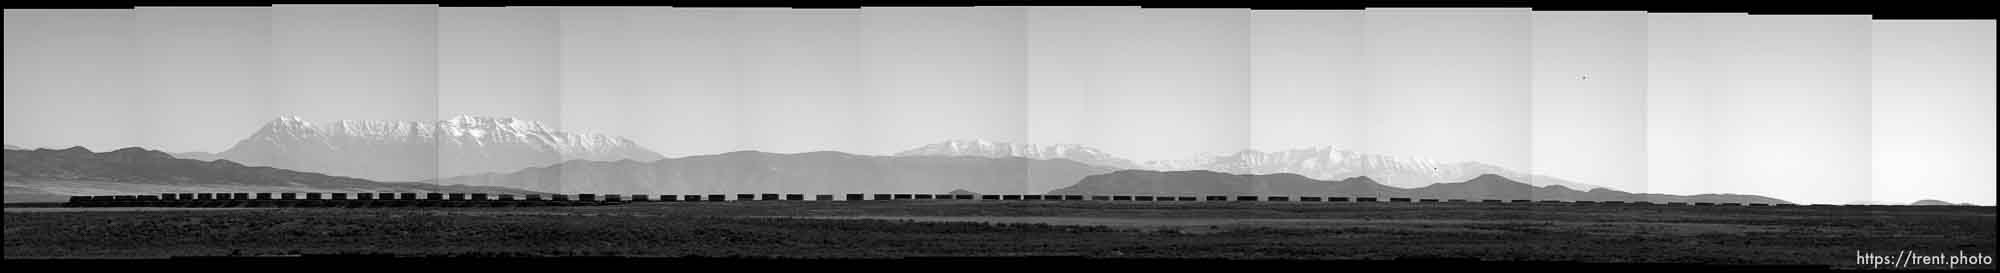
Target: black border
968, 264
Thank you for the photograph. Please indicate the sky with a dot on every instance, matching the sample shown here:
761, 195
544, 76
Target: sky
1822, 109
1447, 84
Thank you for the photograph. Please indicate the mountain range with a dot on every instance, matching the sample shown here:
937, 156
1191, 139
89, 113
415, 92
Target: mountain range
1323, 163
813, 172
44, 175
472, 145
495, 146
522, 154
1481, 187
413, 151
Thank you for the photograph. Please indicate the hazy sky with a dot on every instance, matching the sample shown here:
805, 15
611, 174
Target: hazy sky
1932, 110
1824, 109
1588, 97
1680, 73
1447, 84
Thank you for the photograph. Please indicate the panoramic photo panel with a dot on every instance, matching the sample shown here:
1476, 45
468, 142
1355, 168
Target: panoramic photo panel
1480, 136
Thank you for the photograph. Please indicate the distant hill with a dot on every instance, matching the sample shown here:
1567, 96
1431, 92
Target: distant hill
1216, 183
1933, 202
811, 173
36, 174
1481, 187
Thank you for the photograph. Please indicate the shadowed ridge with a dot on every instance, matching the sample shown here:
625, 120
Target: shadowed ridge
1203, 182
1935, 202
131, 168
1605, 191
136, 153
72, 151
1481, 187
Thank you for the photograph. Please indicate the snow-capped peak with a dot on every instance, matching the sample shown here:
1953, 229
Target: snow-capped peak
455, 146
998, 149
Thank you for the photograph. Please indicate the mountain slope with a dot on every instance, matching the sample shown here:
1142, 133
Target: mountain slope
811, 173
410, 151
1481, 187
78, 171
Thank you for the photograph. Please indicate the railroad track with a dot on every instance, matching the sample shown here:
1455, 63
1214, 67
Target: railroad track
370, 200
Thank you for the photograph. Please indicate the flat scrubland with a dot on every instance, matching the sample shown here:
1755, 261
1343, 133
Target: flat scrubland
1810, 235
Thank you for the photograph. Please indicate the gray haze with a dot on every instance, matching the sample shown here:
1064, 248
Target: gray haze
1812, 109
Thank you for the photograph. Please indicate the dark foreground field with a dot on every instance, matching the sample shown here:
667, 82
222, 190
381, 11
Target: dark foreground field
1828, 236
